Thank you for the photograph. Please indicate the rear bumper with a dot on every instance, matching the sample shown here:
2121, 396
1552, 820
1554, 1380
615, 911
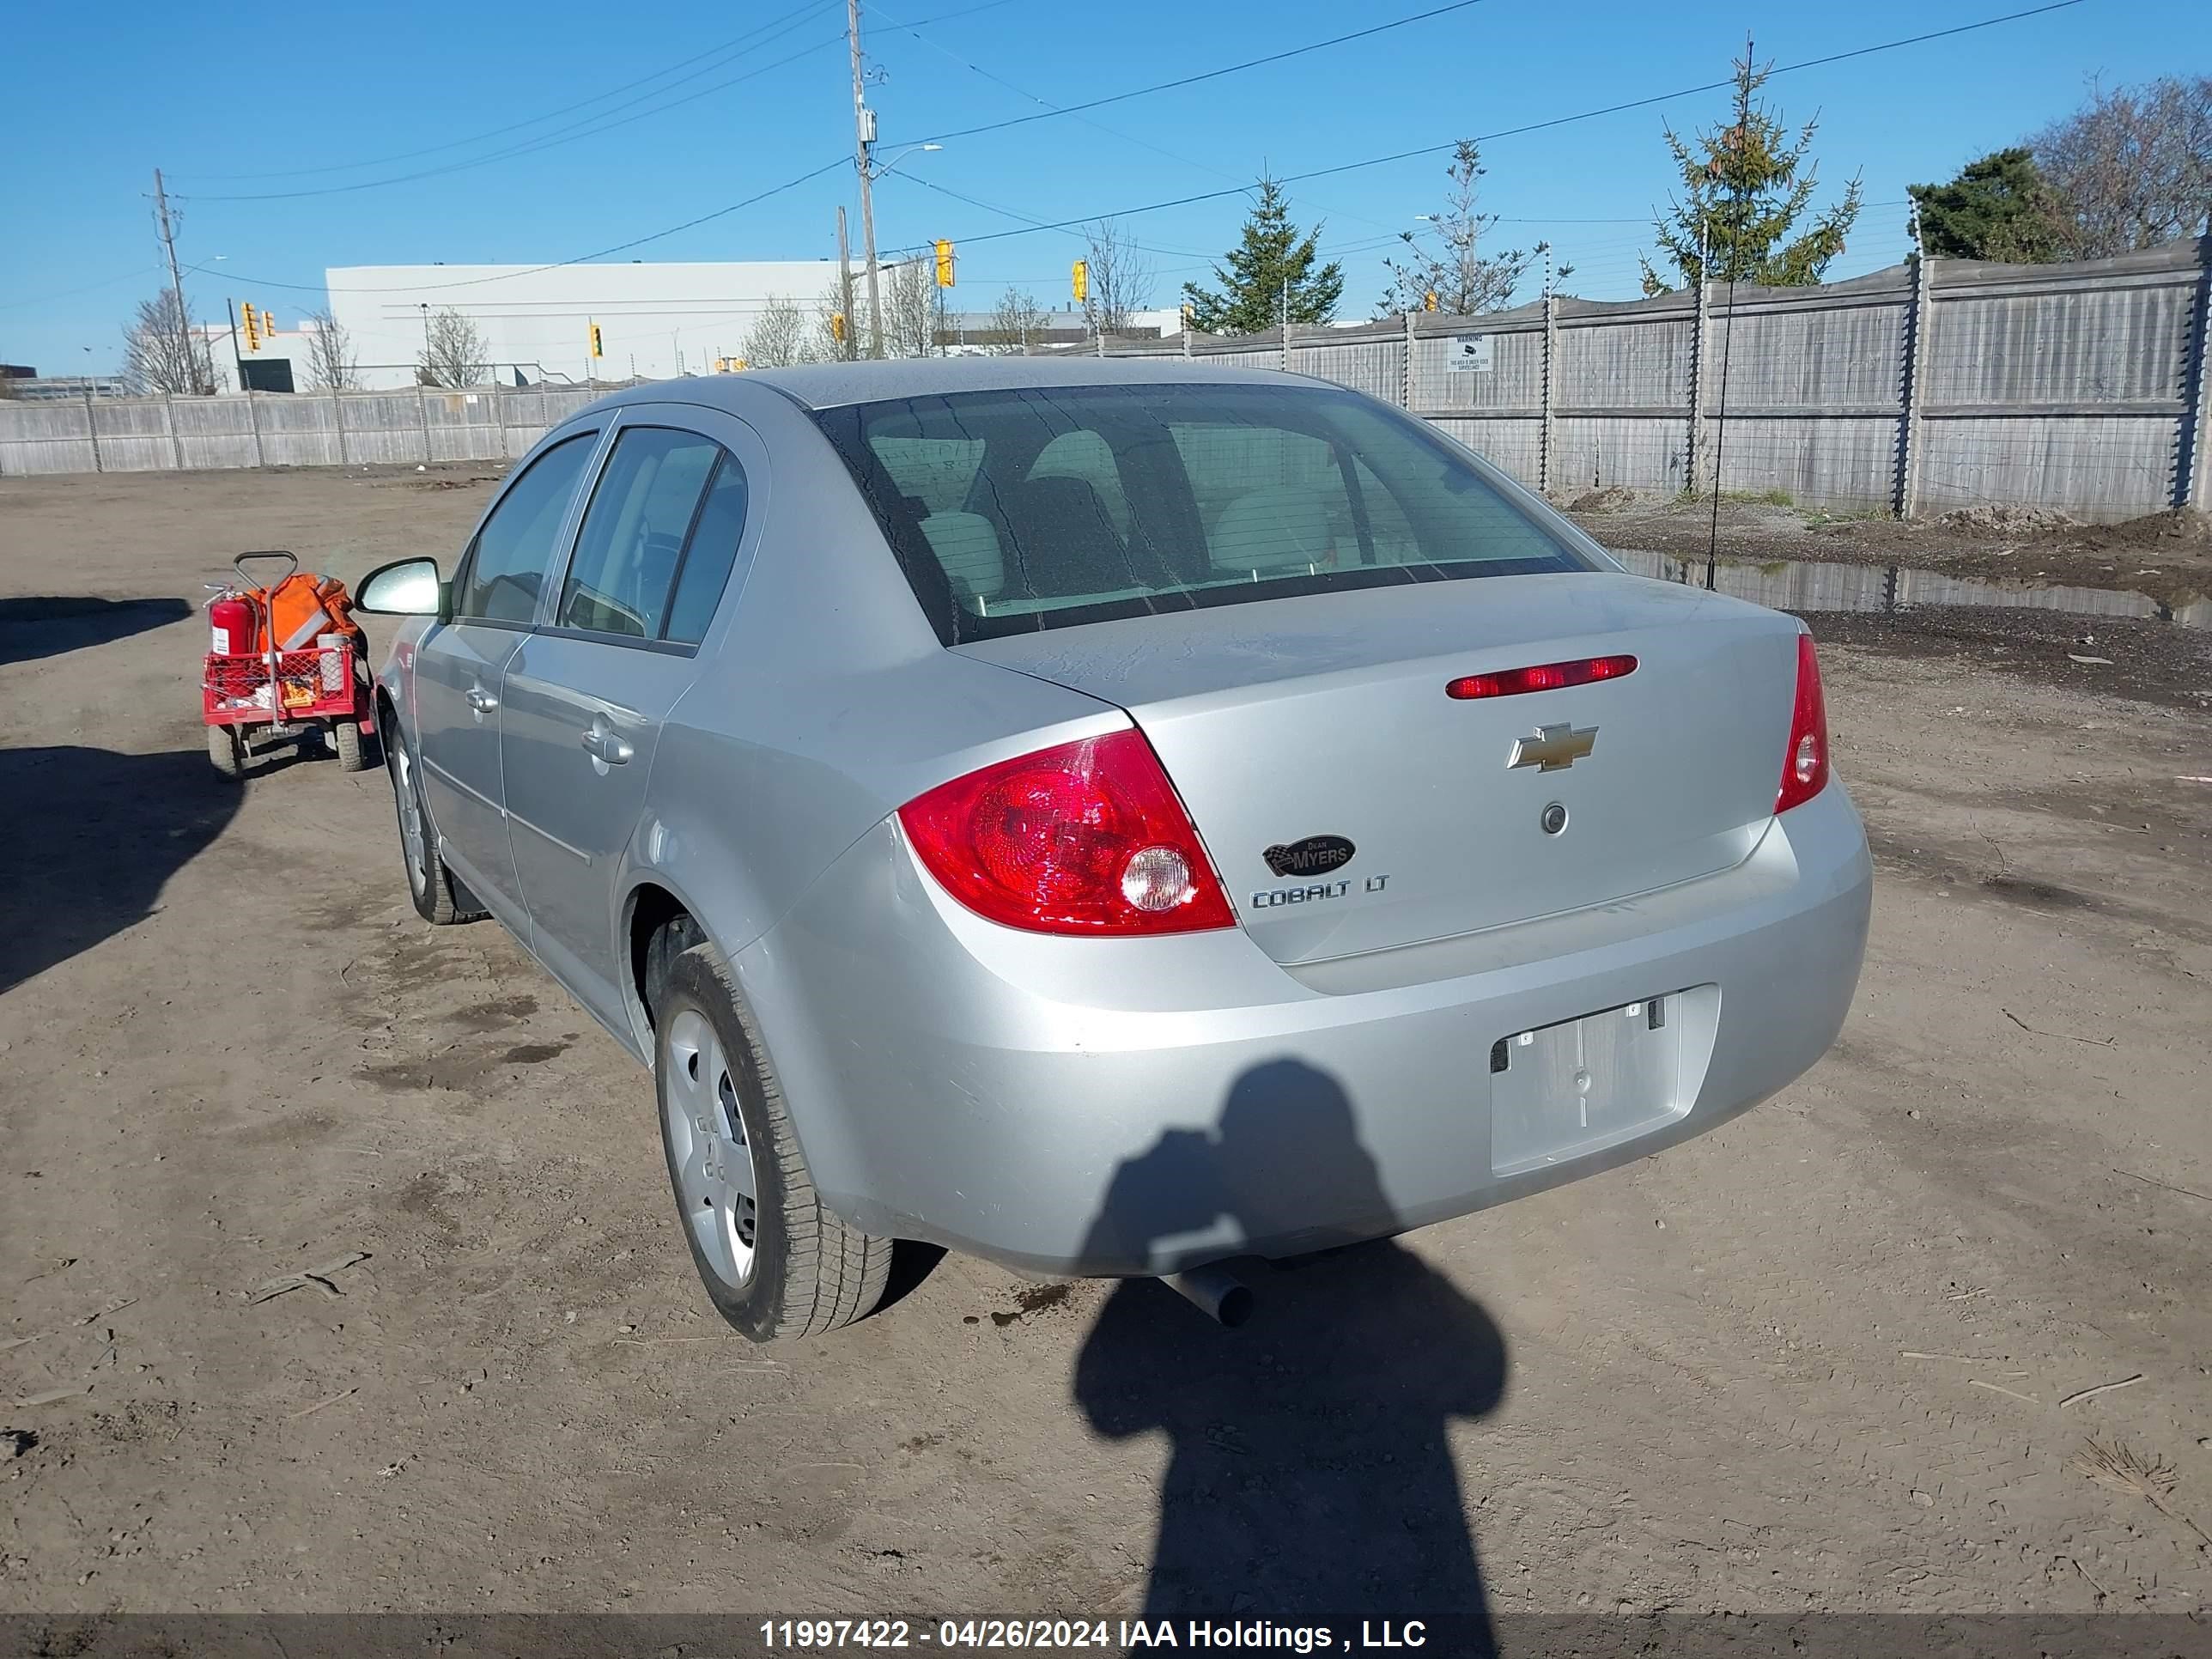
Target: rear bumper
1119, 1106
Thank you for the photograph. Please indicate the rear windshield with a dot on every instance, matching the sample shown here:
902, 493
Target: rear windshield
1015, 511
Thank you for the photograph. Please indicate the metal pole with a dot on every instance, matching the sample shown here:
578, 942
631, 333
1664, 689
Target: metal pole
338, 423
169, 420
1406, 379
236, 355
863, 141
2189, 467
1548, 434
1701, 324
1719, 437
1916, 356
422, 414
177, 284
91, 427
849, 347
253, 425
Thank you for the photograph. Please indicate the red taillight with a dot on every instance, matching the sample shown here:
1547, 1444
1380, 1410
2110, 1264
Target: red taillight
1805, 766
1544, 677
1088, 837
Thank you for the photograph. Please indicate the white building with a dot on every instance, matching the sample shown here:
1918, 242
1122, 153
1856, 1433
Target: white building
654, 320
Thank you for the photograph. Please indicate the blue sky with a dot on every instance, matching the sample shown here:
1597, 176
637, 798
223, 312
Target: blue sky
302, 94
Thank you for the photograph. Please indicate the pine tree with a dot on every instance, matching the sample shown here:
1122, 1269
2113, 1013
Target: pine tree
1271, 255
1747, 185
1452, 266
1998, 208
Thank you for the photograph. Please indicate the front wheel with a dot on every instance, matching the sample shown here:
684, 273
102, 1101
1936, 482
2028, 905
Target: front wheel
438, 897
226, 751
775, 1261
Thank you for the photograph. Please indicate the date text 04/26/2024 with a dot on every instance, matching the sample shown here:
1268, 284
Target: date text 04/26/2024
1111, 1635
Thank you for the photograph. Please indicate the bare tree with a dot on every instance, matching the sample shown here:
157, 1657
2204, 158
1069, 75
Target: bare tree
2133, 165
1016, 322
779, 337
1122, 279
332, 364
914, 309
454, 350
1447, 261
164, 351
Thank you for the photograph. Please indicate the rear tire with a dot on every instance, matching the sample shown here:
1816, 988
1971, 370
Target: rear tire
439, 897
226, 751
345, 739
775, 1261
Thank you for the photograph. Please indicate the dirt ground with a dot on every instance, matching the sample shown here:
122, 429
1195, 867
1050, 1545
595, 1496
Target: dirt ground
2167, 556
1837, 1356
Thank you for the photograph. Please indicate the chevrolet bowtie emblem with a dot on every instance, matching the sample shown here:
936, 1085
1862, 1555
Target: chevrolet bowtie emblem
1554, 748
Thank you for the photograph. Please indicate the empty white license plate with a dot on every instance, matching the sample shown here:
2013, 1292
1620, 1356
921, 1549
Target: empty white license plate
1565, 1091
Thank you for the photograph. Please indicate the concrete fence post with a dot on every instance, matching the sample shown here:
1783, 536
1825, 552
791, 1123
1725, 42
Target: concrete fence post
1912, 379
92, 428
169, 422
2189, 488
1700, 329
338, 423
253, 425
1547, 432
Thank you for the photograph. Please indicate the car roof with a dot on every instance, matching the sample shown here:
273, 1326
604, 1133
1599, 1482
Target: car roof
830, 386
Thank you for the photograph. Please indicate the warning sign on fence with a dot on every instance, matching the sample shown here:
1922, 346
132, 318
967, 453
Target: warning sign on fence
1469, 354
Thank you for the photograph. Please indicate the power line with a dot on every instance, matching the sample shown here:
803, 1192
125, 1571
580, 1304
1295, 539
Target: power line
584, 129
1533, 126
1208, 74
71, 293
727, 47
558, 264
973, 68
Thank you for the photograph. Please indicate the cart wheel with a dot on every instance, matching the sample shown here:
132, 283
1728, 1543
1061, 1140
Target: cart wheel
345, 738
225, 750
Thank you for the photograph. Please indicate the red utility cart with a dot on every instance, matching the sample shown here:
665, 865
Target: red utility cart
288, 659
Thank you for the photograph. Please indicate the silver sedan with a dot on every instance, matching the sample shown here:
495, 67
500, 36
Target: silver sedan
1110, 816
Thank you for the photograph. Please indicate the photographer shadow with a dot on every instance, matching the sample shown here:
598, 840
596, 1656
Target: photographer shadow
1311, 1476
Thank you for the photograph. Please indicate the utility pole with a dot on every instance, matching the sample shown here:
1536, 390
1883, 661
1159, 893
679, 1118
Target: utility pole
177, 282
864, 140
849, 347
237, 356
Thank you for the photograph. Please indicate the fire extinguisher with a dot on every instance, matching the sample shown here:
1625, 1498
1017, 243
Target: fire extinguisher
230, 620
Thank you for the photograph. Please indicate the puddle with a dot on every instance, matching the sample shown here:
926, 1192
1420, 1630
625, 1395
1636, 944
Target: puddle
1804, 585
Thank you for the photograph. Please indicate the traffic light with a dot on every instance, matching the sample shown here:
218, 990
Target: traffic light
944, 264
1429, 301
1079, 280
252, 333
268, 326
837, 326
596, 351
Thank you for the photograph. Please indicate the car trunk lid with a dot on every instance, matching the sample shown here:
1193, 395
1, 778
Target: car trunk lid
1351, 804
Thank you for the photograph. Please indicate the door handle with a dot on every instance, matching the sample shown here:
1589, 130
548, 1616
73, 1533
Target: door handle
481, 700
606, 746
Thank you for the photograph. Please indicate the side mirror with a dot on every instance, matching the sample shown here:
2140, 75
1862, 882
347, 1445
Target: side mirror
409, 587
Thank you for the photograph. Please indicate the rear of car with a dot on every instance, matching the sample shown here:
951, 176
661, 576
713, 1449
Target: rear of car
1414, 858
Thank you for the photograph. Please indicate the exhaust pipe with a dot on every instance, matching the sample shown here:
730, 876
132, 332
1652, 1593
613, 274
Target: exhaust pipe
1215, 1292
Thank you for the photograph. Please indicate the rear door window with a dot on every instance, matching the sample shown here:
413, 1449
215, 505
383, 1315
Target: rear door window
1014, 510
